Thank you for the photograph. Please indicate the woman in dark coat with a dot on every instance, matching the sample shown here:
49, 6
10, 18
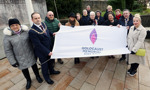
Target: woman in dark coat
19, 50
99, 18
111, 22
108, 10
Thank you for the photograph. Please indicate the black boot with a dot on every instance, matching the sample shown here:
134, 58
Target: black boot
76, 60
27, 76
28, 84
36, 72
123, 57
60, 61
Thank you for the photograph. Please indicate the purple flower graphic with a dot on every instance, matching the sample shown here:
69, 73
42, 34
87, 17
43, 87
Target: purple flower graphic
93, 36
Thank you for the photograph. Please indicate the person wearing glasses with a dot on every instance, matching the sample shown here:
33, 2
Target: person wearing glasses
53, 25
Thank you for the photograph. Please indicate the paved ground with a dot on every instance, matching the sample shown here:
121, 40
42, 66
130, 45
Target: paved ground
91, 74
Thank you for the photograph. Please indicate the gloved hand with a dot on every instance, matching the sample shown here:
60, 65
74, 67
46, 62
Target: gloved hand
15, 65
132, 52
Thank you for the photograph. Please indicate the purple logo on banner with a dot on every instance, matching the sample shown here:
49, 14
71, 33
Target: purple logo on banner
93, 36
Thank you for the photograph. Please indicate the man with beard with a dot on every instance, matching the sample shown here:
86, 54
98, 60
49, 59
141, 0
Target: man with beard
73, 22
53, 25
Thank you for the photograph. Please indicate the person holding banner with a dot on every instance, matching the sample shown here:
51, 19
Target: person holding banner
92, 20
40, 37
53, 25
73, 22
126, 20
111, 22
135, 42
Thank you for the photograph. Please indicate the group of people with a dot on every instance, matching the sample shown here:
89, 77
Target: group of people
23, 46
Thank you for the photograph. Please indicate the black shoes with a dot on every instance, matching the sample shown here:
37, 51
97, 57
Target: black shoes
129, 71
111, 57
92, 57
60, 61
132, 73
122, 59
49, 81
28, 84
76, 60
39, 79
54, 72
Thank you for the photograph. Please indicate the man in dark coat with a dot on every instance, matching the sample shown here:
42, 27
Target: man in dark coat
41, 40
126, 20
85, 18
88, 8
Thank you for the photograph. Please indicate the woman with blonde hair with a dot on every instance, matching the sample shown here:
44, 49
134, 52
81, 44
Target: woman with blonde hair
136, 37
108, 10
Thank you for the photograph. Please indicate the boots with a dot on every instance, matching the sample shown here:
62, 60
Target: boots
60, 61
36, 72
76, 60
27, 76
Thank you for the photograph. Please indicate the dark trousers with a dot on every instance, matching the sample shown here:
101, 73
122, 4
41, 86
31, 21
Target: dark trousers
26, 72
134, 66
47, 67
123, 55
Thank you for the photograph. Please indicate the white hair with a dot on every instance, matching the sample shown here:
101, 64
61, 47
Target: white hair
92, 13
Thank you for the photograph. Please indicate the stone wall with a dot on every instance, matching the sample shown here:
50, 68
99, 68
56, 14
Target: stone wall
95, 4
17, 9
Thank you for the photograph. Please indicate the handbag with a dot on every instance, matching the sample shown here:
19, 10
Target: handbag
141, 52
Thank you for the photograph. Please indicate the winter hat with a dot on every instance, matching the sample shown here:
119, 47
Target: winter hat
72, 15
13, 21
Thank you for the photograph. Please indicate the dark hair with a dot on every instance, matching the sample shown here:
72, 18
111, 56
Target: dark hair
98, 11
118, 10
33, 14
110, 13
126, 10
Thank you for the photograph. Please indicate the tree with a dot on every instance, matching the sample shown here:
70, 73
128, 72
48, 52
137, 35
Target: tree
64, 7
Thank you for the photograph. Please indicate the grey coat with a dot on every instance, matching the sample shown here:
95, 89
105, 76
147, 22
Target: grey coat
18, 48
136, 41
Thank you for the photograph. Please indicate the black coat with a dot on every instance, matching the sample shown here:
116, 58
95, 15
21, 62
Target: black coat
41, 42
84, 20
100, 20
106, 15
92, 22
122, 21
107, 23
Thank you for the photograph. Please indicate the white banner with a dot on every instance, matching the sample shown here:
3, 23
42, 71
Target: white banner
87, 41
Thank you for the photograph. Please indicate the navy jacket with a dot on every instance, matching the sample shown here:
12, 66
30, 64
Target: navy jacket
106, 15
100, 21
107, 23
122, 21
84, 20
41, 41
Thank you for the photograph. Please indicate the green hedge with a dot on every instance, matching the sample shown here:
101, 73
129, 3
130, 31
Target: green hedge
64, 7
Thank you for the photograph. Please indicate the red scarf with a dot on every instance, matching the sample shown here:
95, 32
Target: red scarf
118, 16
